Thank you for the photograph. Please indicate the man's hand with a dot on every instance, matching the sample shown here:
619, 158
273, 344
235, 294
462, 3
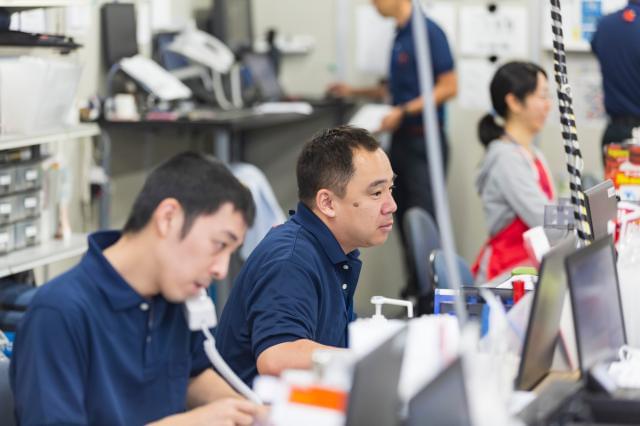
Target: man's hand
223, 412
340, 90
392, 120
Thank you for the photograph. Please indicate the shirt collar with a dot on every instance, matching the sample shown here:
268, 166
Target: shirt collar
406, 27
311, 222
115, 288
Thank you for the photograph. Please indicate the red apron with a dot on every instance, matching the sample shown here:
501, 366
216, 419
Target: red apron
507, 246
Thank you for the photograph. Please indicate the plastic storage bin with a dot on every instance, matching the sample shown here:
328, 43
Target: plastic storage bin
27, 177
7, 179
26, 234
6, 239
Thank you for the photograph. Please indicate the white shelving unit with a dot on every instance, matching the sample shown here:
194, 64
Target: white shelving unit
43, 254
49, 250
54, 135
28, 4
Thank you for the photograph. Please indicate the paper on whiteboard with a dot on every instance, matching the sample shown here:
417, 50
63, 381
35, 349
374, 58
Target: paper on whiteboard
374, 38
501, 33
369, 116
474, 77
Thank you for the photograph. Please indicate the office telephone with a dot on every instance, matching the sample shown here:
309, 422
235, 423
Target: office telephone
207, 51
200, 313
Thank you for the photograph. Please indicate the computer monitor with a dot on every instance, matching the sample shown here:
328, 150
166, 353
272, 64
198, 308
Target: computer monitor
595, 301
373, 399
263, 77
602, 207
443, 401
119, 39
544, 318
231, 22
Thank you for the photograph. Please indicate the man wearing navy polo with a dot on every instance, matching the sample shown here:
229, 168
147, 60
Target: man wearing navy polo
616, 44
408, 152
295, 292
107, 342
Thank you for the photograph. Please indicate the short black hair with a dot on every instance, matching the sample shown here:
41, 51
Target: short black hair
326, 161
200, 184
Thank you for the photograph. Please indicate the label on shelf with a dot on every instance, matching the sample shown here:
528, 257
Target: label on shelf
31, 175
31, 231
4, 238
5, 209
5, 180
30, 202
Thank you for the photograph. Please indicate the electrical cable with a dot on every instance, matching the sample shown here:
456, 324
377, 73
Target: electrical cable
568, 125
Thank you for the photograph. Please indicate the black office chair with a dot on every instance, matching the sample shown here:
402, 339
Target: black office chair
438, 270
422, 238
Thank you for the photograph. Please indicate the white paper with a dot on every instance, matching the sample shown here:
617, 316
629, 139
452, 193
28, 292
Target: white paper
474, 77
78, 19
374, 38
284, 108
31, 21
369, 116
502, 33
143, 15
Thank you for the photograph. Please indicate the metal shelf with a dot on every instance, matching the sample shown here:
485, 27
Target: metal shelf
42, 254
54, 135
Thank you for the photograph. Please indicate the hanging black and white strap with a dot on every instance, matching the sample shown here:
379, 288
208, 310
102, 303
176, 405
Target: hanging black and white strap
568, 125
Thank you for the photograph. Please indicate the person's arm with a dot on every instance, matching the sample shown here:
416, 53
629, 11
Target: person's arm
227, 411
446, 87
343, 90
207, 387
282, 316
275, 359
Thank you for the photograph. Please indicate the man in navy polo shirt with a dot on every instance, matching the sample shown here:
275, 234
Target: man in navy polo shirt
616, 43
295, 292
408, 152
107, 342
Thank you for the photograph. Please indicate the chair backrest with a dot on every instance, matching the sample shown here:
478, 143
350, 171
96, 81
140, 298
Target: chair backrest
422, 237
438, 270
6, 397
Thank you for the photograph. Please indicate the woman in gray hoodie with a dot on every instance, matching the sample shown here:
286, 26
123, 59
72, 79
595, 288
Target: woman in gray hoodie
514, 182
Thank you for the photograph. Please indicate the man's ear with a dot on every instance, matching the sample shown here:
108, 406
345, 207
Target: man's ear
167, 217
325, 203
513, 104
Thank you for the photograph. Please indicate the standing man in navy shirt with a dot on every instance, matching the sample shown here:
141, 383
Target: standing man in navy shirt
295, 292
107, 342
408, 153
616, 44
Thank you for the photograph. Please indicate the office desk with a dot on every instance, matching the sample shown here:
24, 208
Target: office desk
227, 130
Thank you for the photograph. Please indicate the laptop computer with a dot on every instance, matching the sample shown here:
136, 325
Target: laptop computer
596, 304
373, 399
544, 318
443, 401
600, 330
602, 207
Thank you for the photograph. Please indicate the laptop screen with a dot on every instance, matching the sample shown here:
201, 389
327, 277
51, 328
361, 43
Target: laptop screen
544, 319
264, 77
595, 300
373, 399
602, 206
443, 401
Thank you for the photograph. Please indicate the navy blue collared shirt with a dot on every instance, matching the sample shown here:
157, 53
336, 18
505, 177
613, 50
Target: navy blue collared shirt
297, 284
403, 72
93, 351
616, 43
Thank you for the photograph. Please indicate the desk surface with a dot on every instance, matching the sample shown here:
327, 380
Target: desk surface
233, 120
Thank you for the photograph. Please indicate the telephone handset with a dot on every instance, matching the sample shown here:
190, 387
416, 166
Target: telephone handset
204, 49
200, 313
